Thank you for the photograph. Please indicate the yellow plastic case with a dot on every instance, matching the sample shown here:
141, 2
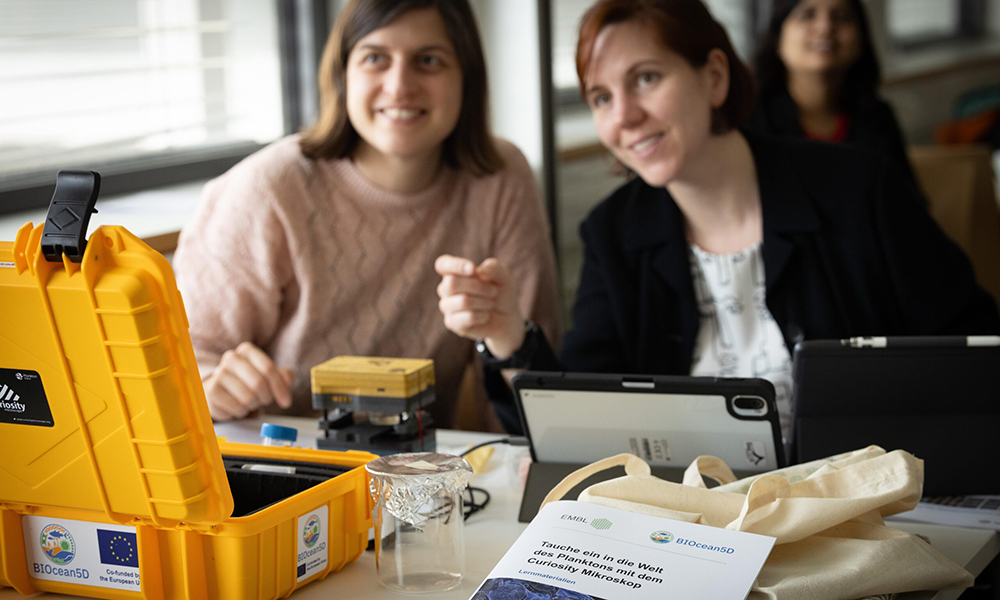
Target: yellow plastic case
109, 455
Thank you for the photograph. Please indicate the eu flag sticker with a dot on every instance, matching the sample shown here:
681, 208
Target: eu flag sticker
118, 548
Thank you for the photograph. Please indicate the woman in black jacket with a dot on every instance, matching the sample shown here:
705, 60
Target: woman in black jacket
818, 79
728, 247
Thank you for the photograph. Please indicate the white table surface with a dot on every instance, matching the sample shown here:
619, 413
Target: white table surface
488, 534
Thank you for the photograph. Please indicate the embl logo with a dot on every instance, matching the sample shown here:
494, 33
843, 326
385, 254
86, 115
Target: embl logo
601, 524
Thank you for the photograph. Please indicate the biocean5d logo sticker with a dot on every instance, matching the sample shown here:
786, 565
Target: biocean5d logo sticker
58, 545
661, 537
313, 533
22, 398
310, 534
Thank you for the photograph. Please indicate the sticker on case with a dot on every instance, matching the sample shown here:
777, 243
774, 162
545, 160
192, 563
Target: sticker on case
756, 453
650, 449
312, 532
81, 552
22, 398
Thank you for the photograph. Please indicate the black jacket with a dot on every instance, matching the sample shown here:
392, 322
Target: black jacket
848, 251
873, 127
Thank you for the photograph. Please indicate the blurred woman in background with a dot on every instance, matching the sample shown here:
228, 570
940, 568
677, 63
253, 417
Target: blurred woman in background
818, 78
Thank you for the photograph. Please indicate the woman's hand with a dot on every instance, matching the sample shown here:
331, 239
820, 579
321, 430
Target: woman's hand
480, 302
246, 379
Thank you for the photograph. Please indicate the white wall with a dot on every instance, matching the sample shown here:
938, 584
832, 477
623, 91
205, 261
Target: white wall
993, 16
509, 29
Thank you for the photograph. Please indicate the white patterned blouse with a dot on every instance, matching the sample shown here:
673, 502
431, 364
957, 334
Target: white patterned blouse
737, 336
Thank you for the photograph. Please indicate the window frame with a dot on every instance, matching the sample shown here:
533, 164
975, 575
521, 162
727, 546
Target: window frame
303, 26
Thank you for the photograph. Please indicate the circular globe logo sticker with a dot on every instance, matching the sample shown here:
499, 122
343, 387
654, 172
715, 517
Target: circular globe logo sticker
310, 533
58, 544
661, 537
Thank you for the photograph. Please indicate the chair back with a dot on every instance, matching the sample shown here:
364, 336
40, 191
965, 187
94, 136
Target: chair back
959, 184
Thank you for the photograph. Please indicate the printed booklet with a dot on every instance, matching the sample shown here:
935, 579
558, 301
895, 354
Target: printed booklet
583, 551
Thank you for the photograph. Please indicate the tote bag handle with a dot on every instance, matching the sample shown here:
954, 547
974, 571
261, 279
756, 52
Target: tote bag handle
633, 466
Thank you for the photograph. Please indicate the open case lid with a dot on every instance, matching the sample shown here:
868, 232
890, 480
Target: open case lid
101, 404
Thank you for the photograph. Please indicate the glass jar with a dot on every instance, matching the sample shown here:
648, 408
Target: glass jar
419, 543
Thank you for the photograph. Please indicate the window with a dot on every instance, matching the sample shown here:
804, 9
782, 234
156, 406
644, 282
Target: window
735, 15
566, 16
738, 19
133, 86
917, 22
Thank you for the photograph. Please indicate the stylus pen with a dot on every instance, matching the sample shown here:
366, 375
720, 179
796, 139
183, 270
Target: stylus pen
922, 341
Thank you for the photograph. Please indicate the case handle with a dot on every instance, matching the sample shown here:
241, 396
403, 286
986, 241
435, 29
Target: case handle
69, 214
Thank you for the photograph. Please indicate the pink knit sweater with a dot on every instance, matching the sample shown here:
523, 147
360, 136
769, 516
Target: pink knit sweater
308, 260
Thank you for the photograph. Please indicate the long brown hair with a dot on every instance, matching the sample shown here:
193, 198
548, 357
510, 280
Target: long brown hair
685, 27
469, 147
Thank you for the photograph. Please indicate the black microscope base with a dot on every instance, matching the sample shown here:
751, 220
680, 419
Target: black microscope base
376, 439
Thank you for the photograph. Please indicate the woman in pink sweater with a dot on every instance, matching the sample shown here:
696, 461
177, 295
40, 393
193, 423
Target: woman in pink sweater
322, 244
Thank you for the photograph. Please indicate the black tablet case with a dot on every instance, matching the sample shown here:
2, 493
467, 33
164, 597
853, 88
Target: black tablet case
941, 404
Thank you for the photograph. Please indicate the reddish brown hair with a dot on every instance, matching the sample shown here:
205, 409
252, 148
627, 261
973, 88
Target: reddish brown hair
685, 27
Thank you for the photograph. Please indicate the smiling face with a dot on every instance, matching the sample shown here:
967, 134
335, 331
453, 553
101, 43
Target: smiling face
820, 36
652, 109
404, 86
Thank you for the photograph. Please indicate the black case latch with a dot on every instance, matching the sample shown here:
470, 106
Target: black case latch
69, 214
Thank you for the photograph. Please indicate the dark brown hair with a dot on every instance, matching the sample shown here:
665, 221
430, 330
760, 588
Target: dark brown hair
469, 147
685, 27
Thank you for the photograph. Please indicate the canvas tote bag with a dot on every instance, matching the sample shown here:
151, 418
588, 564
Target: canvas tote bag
832, 543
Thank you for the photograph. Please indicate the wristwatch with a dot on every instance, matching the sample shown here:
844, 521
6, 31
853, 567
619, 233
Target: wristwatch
520, 358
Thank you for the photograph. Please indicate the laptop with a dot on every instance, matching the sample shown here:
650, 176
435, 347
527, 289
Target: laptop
574, 419
937, 398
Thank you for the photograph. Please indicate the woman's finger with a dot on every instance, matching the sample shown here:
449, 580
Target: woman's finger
447, 264
463, 322
265, 367
451, 285
244, 384
221, 405
243, 381
218, 413
287, 375
463, 302
493, 271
